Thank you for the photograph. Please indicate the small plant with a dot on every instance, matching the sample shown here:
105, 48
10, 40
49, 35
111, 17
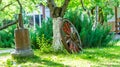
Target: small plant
43, 43
9, 63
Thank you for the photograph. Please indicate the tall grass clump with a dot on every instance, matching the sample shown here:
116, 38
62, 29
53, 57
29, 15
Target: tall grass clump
90, 36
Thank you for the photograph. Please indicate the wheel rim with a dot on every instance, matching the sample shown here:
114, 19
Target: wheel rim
70, 37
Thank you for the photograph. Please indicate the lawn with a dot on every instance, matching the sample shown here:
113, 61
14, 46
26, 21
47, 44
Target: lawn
90, 57
4, 48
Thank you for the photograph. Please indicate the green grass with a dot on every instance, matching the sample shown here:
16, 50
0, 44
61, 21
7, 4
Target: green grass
94, 57
3, 58
4, 48
4, 54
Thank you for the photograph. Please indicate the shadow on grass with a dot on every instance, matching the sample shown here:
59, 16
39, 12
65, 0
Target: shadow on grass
4, 54
109, 52
38, 60
97, 55
107, 56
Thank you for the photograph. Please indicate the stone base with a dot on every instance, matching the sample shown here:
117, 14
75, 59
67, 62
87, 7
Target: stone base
22, 44
22, 53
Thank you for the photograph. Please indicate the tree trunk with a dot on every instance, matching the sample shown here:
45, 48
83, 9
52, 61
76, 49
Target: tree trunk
96, 19
57, 44
57, 13
116, 27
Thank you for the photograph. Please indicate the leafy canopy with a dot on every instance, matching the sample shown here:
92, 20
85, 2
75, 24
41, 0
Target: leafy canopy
9, 8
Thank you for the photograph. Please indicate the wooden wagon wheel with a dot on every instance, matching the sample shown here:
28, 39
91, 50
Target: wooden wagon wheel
70, 37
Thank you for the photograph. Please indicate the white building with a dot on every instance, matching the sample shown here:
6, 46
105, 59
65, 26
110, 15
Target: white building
37, 16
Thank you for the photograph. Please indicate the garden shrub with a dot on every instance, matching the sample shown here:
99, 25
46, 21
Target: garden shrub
44, 45
45, 30
90, 37
7, 37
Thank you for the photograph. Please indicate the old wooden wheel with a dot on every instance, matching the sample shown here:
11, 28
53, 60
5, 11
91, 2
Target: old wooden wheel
70, 37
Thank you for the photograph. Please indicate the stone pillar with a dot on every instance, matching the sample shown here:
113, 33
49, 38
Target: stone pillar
22, 43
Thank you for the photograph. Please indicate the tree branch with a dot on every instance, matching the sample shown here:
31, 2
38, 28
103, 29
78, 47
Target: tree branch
20, 20
51, 5
88, 12
20, 6
7, 25
83, 5
64, 7
5, 6
57, 11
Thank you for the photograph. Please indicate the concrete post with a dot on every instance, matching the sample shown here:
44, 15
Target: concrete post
22, 44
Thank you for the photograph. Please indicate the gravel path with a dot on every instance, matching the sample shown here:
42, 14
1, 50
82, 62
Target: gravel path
6, 51
117, 37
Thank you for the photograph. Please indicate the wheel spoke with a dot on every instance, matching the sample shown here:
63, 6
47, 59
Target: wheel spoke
70, 37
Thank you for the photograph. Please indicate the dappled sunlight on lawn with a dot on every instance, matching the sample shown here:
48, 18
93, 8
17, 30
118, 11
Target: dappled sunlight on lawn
118, 43
95, 57
67, 60
3, 59
107, 56
103, 56
35, 61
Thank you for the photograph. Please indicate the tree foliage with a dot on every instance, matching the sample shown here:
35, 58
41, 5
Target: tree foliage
10, 8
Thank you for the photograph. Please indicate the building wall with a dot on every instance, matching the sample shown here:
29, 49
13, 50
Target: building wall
36, 17
47, 12
111, 21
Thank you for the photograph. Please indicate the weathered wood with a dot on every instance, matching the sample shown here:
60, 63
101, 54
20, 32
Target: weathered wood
70, 37
22, 39
22, 44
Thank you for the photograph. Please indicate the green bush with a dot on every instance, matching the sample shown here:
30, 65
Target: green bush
90, 37
45, 30
75, 17
43, 43
7, 37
